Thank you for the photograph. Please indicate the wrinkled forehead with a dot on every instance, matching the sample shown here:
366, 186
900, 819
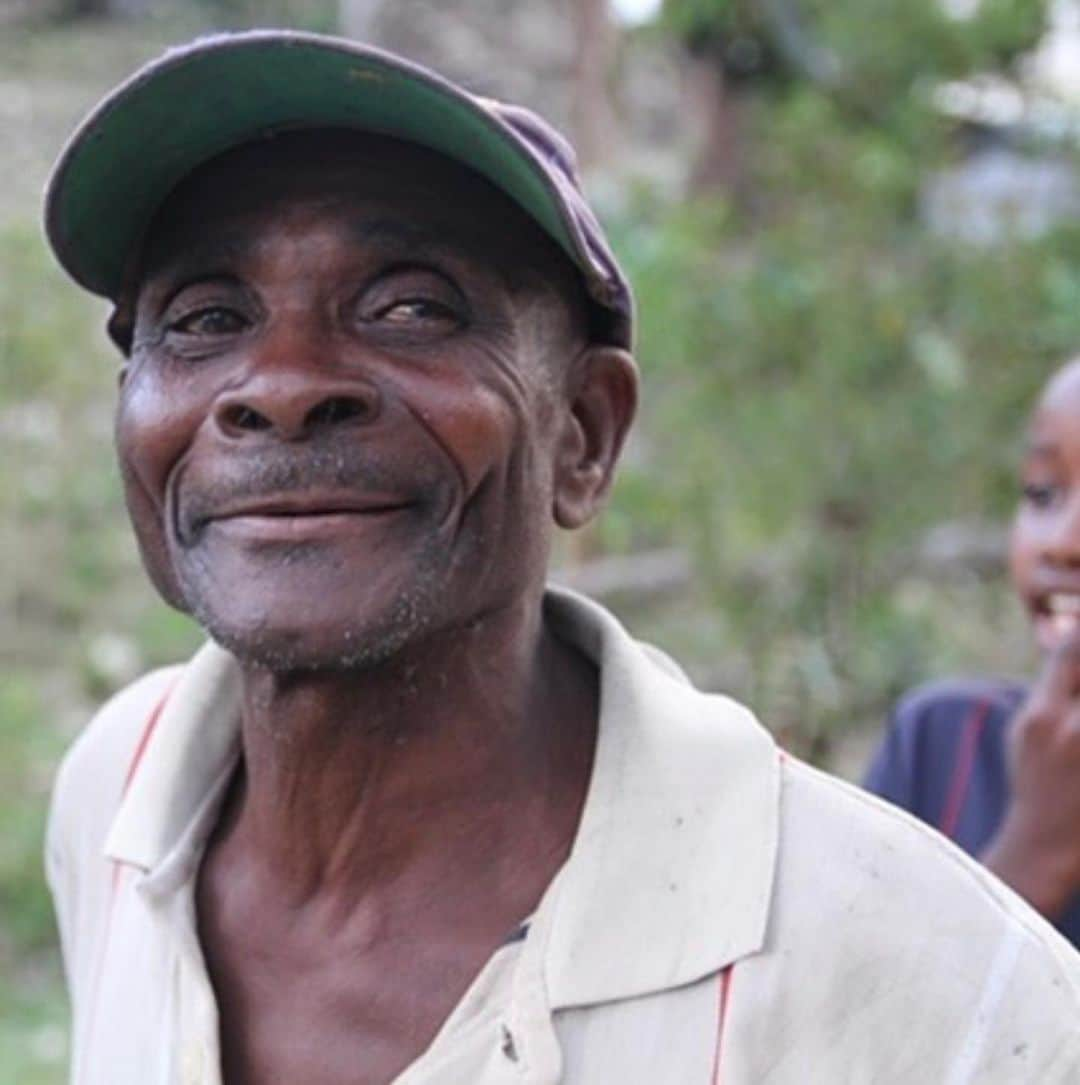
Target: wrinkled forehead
384, 190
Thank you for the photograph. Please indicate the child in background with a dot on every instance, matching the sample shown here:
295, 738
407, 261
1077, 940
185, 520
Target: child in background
995, 764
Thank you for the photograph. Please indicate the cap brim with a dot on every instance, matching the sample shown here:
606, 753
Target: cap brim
144, 138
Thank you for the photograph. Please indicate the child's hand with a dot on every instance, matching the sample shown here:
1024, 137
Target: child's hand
1037, 848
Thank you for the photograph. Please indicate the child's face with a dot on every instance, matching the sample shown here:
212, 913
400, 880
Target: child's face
1045, 550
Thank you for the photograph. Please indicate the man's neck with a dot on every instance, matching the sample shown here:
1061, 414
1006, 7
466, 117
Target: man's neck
463, 761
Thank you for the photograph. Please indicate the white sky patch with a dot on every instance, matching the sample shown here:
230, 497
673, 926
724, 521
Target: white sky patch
961, 10
1055, 65
636, 12
1065, 14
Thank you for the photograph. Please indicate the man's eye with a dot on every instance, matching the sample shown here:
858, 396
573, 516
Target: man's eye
212, 320
417, 311
1040, 495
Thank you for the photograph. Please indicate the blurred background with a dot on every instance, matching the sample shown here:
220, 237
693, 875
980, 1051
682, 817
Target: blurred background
854, 231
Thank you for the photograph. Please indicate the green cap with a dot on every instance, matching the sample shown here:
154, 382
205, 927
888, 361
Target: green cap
216, 93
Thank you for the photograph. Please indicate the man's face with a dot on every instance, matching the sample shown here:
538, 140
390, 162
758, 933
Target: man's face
340, 420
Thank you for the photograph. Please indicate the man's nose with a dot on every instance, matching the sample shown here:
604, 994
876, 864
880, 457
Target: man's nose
293, 402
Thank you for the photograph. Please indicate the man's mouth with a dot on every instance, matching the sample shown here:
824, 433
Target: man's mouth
293, 517
1057, 618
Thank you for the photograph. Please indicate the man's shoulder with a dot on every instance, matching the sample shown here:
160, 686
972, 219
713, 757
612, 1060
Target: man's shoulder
110, 738
872, 840
882, 887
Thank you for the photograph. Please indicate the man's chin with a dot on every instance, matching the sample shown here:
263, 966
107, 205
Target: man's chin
291, 636
291, 650
311, 617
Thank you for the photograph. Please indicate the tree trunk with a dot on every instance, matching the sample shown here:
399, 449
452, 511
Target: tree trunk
718, 166
594, 119
81, 9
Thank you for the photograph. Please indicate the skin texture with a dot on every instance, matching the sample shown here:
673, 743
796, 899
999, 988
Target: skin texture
1037, 850
358, 400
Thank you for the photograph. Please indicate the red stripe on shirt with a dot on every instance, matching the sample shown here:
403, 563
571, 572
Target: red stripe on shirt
144, 741
117, 868
723, 996
133, 768
965, 761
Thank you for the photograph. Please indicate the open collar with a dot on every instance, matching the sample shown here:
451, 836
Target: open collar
671, 872
195, 738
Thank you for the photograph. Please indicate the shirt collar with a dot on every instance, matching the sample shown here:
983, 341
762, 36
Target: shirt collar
670, 875
195, 738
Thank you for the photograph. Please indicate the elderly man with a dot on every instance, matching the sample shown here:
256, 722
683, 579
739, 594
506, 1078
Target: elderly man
411, 815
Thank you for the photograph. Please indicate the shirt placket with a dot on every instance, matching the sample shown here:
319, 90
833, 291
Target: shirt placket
196, 1059
199, 1041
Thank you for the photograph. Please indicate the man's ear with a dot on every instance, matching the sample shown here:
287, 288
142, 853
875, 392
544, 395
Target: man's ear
602, 390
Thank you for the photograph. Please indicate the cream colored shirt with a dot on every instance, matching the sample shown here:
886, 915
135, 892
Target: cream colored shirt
727, 914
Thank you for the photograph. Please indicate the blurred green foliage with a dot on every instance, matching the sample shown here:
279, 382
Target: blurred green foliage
879, 49
826, 381
819, 395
